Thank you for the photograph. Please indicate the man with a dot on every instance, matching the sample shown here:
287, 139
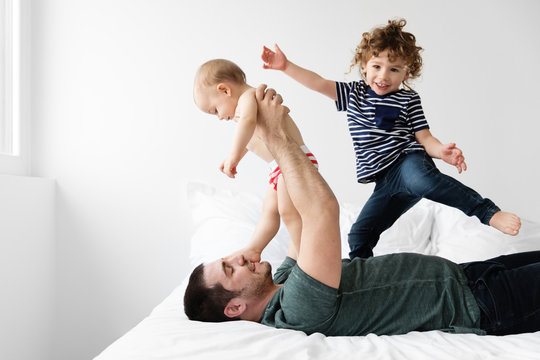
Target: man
316, 291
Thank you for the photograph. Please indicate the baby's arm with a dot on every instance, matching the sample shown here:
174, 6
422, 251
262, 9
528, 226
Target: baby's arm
266, 228
228, 166
247, 121
278, 61
447, 152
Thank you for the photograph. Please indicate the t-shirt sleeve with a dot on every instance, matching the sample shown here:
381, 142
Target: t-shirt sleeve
283, 271
343, 90
417, 119
306, 304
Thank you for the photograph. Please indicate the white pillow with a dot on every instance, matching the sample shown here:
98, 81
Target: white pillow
461, 238
411, 232
224, 221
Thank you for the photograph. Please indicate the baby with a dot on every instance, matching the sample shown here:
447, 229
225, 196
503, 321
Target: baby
220, 89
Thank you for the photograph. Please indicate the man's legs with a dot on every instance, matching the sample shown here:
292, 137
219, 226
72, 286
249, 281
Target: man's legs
507, 290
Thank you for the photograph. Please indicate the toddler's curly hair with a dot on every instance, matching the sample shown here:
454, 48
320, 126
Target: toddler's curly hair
399, 43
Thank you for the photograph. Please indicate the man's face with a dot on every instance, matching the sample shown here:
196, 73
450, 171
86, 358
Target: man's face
237, 274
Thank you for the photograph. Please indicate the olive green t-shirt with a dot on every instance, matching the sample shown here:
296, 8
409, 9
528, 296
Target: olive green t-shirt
390, 294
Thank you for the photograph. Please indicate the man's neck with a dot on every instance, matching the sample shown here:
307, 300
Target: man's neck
256, 308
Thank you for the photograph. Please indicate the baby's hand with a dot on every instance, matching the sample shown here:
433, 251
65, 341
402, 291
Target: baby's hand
453, 156
247, 253
228, 167
274, 60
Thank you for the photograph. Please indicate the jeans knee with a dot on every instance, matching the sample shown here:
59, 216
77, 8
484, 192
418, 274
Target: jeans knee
360, 236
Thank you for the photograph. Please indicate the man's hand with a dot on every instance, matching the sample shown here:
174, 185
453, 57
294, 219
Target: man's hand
271, 114
453, 156
274, 60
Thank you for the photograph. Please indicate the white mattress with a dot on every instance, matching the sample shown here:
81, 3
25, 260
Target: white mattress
224, 221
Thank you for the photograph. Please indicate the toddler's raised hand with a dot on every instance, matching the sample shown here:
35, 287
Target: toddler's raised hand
453, 156
228, 167
274, 60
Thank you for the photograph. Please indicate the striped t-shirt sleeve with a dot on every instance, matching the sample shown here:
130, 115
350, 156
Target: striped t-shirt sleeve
416, 114
342, 93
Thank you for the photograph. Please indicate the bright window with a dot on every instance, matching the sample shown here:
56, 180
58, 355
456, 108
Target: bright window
14, 43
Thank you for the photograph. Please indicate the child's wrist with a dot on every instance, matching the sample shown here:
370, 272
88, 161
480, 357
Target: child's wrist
286, 67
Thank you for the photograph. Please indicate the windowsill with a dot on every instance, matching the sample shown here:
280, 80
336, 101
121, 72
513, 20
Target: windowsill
13, 165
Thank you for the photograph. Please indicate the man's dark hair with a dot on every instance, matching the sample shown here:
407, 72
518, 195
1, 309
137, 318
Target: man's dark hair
204, 303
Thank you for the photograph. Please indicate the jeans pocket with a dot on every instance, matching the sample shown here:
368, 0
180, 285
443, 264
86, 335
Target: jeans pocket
488, 307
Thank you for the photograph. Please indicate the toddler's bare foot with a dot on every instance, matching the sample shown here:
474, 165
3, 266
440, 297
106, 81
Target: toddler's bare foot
506, 222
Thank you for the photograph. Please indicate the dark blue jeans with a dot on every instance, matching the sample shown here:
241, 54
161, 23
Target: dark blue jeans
507, 290
412, 177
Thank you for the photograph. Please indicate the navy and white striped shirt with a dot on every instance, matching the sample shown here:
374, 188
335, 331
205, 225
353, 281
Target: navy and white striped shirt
381, 127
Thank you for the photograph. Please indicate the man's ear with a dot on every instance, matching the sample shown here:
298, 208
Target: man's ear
235, 307
223, 88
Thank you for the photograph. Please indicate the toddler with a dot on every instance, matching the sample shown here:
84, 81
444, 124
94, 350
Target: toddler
220, 89
392, 141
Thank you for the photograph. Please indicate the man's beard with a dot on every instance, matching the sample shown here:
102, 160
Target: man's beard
260, 284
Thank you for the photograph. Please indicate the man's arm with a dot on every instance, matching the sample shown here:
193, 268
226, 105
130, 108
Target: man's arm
320, 247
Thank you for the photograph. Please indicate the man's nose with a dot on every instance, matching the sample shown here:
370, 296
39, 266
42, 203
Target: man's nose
238, 259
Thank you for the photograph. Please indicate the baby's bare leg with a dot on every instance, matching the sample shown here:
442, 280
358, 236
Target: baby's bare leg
506, 222
289, 214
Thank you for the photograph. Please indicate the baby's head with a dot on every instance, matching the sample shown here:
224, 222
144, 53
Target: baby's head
400, 45
214, 90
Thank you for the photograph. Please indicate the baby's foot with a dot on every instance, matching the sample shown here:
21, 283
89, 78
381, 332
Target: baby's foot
505, 222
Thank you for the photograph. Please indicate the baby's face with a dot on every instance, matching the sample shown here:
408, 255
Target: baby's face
216, 100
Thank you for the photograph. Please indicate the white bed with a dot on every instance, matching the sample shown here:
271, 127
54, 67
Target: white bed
223, 222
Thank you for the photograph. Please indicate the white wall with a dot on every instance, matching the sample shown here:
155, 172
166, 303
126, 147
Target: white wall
26, 267
115, 124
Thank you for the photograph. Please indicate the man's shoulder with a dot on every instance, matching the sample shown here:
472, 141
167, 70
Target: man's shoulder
284, 270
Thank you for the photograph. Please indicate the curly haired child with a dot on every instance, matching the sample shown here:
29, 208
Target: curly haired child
392, 141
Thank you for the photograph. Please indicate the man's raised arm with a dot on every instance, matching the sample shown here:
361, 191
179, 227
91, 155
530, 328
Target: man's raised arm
320, 247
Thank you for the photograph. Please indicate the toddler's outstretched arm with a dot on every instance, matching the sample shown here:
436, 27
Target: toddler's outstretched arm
447, 152
278, 61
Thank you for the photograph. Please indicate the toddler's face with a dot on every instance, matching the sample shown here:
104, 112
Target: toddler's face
385, 76
216, 100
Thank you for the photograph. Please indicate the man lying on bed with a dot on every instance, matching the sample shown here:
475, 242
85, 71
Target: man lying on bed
314, 290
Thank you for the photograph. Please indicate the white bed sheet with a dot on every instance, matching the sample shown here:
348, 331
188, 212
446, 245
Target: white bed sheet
224, 220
